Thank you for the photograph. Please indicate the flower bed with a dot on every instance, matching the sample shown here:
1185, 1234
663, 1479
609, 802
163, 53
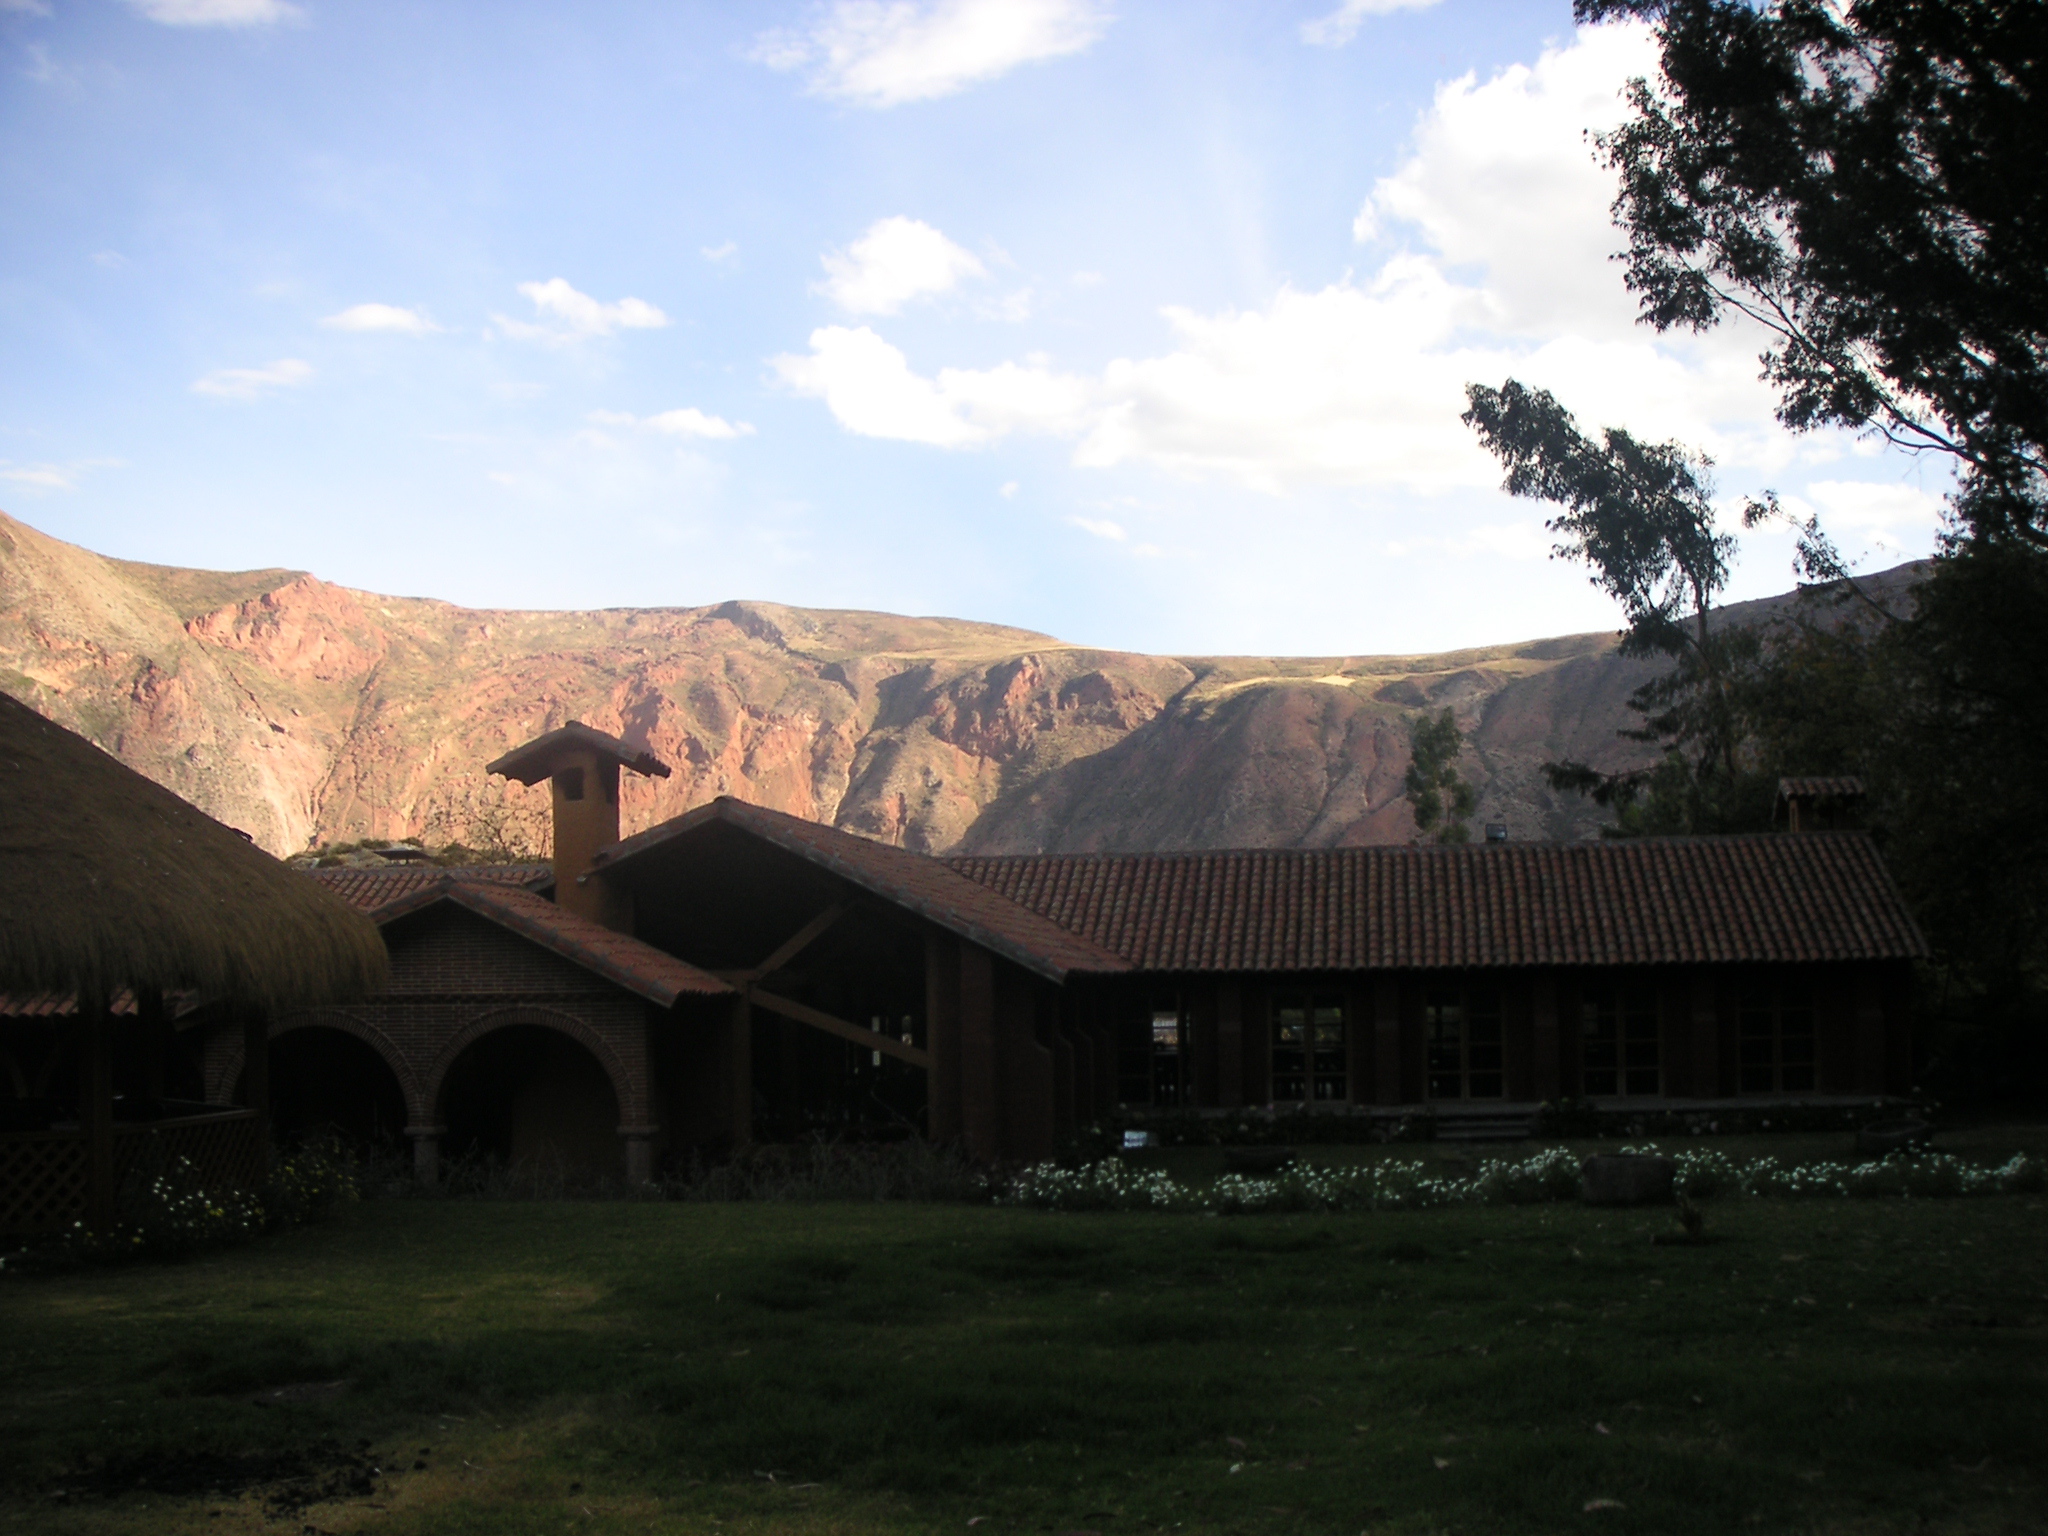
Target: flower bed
1553, 1175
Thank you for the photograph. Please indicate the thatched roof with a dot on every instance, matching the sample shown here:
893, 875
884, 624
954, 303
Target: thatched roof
108, 880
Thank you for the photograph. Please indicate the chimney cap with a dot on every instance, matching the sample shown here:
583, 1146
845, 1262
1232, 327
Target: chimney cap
542, 756
1841, 786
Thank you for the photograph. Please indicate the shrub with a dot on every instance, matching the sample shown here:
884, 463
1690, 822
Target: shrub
1550, 1175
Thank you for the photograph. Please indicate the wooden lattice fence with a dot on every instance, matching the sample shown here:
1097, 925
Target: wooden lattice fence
43, 1173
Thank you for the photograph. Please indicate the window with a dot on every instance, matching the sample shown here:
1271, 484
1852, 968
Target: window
1151, 1059
1618, 1040
572, 783
1777, 1036
1308, 1051
1462, 1024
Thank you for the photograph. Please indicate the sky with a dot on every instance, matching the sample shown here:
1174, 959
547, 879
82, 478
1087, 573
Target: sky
1141, 325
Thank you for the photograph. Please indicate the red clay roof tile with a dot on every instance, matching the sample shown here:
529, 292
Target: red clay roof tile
1653, 901
368, 889
924, 885
617, 957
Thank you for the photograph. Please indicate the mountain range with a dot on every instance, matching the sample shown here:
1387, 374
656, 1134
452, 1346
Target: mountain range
305, 713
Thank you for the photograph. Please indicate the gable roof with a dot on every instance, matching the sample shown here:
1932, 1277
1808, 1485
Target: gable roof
617, 957
368, 889
1650, 901
924, 885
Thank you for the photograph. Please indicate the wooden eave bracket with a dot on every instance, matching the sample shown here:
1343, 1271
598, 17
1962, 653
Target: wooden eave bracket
874, 1040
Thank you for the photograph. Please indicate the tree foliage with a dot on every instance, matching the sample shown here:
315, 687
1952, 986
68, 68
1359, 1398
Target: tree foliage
1443, 799
1864, 180
1640, 516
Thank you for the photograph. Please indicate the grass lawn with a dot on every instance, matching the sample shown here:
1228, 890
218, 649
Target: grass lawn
611, 1367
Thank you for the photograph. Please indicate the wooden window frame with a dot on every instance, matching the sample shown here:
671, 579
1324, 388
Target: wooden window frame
1770, 1059
1322, 1074
1165, 1087
1452, 1003
1621, 1040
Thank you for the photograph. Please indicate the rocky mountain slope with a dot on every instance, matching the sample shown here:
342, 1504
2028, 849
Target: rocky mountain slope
306, 712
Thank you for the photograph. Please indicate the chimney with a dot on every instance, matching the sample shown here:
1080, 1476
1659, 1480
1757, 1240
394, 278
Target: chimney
1818, 804
582, 766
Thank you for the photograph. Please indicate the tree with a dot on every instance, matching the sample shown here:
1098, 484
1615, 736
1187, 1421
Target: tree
1641, 516
1442, 799
1854, 178
1853, 175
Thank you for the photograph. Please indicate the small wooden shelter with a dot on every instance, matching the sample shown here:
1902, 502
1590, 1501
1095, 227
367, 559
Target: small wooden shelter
114, 894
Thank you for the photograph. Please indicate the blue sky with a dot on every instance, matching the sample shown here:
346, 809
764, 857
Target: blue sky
1142, 325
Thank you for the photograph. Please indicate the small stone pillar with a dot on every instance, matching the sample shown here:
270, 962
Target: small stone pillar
639, 1140
426, 1154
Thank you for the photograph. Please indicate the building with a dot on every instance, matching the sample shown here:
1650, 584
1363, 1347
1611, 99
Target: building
126, 913
735, 974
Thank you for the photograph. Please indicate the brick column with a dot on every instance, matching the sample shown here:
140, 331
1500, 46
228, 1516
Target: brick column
639, 1140
426, 1154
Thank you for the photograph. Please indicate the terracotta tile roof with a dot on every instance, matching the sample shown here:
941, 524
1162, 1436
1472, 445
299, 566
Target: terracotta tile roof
617, 957
924, 885
1769, 897
368, 889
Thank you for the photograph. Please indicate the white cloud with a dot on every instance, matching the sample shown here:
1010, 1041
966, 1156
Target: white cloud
248, 383
39, 477
686, 422
1101, 527
869, 388
1501, 179
1342, 24
1361, 382
577, 316
1008, 490
895, 261
1504, 541
111, 261
218, 13
381, 317
691, 422
868, 385
25, 7
724, 251
882, 53
1889, 515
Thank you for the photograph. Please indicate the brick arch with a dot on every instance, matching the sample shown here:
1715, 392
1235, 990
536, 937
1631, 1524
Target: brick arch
632, 1111
229, 1070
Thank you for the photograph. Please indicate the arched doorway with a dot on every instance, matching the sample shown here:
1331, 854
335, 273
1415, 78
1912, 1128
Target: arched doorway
328, 1083
532, 1099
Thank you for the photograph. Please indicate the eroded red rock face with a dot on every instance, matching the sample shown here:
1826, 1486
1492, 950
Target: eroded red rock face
302, 712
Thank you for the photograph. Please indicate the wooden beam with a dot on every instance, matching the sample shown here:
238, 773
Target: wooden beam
874, 1040
801, 940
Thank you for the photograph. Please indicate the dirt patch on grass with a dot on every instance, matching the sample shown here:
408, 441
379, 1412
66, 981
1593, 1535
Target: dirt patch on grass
288, 1481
